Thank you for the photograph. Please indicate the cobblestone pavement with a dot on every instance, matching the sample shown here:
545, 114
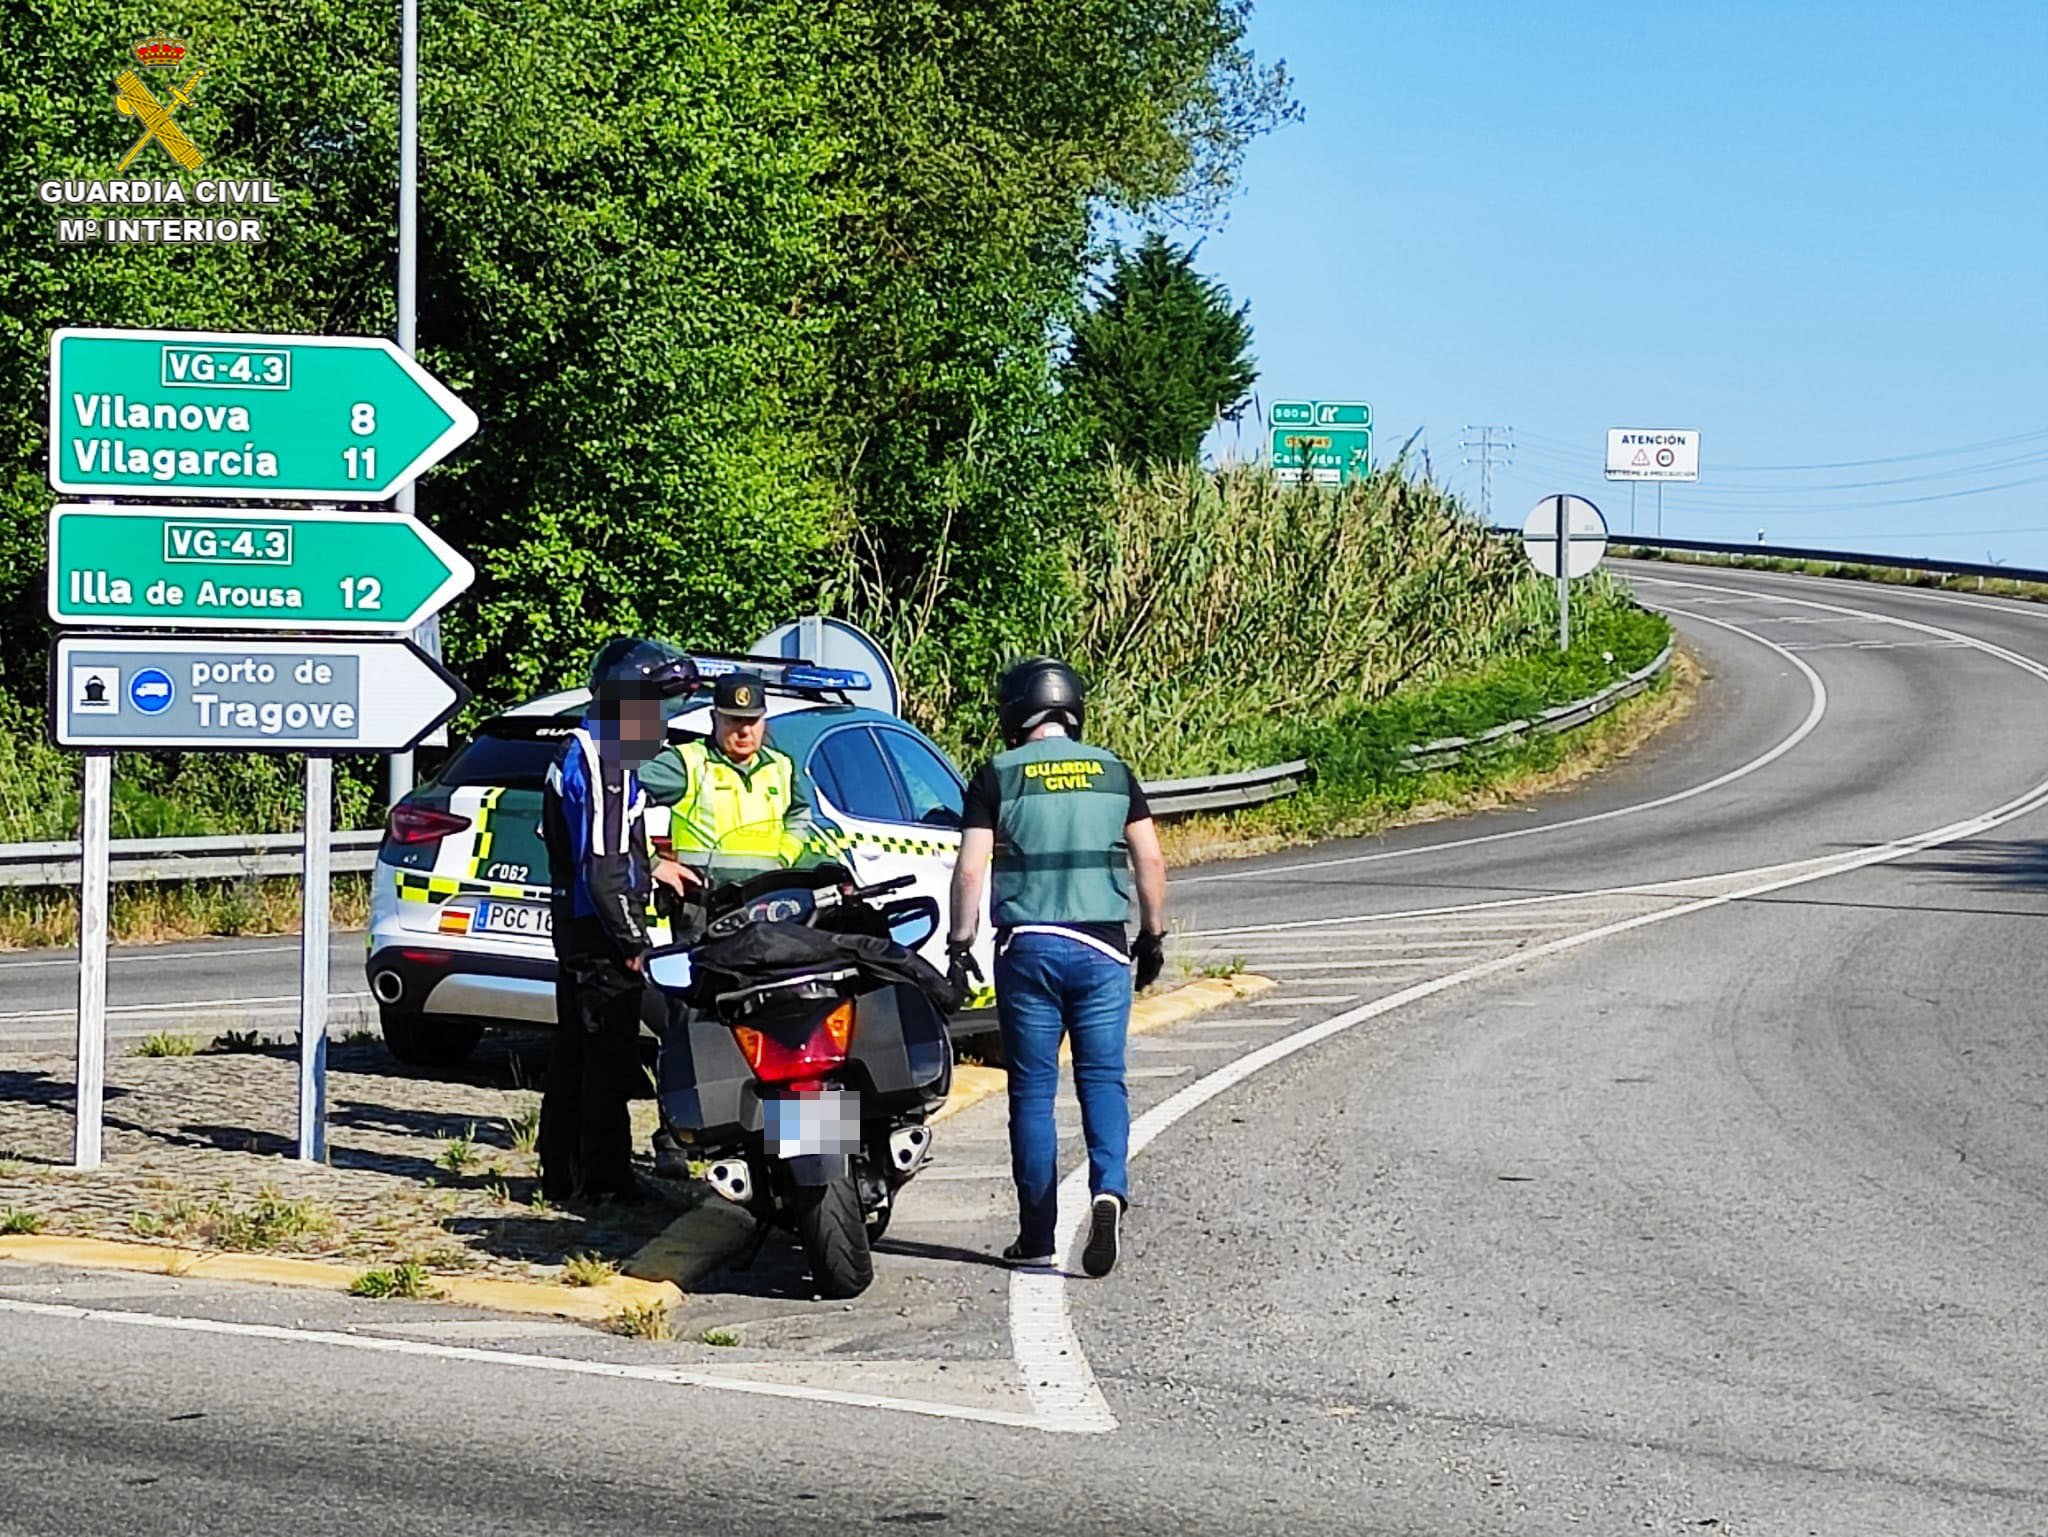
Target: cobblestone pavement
199, 1153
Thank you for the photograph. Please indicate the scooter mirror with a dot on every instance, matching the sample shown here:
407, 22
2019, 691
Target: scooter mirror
669, 970
912, 923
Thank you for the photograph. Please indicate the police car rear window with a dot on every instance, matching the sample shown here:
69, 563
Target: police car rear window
517, 763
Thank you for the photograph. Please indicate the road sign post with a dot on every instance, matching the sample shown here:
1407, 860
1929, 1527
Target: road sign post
94, 830
1564, 537
313, 960
247, 417
244, 570
244, 416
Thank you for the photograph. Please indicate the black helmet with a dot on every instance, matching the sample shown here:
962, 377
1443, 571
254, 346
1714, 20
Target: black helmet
629, 667
1032, 692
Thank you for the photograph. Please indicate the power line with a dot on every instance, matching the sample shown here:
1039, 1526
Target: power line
1490, 442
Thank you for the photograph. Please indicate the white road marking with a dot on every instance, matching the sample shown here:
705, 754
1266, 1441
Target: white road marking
1042, 1339
1804, 730
1297, 999
518, 1361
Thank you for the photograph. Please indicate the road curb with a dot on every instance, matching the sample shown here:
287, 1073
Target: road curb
589, 1304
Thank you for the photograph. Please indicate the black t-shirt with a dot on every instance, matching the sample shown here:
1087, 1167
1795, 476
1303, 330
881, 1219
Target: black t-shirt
984, 809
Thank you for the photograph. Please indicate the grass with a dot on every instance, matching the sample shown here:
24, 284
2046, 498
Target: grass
16, 1219
165, 1044
524, 1124
721, 1337
645, 1321
407, 1280
499, 1191
588, 1270
1233, 967
267, 1221
235, 1041
459, 1154
1533, 766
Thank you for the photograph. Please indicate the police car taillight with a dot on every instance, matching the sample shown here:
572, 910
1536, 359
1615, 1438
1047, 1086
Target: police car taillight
423, 824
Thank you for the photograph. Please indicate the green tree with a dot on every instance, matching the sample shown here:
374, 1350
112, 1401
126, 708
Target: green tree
1159, 357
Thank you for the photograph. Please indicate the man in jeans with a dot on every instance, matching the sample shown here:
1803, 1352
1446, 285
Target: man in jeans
1068, 826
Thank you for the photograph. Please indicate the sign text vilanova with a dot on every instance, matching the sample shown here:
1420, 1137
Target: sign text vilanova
142, 210
235, 415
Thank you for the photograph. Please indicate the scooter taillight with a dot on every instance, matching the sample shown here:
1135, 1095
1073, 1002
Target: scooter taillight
775, 1061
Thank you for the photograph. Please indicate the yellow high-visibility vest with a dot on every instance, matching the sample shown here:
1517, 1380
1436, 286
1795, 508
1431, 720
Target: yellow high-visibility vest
721, 798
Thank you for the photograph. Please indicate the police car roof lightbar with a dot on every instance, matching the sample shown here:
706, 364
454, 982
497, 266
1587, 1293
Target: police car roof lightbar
779, 671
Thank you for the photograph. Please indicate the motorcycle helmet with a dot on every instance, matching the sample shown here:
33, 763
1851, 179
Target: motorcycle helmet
1037, 690
629, 667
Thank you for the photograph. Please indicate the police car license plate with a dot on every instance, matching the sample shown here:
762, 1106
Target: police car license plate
820, 1121
529, 918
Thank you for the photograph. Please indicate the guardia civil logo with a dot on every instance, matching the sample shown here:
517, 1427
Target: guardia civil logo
153, 103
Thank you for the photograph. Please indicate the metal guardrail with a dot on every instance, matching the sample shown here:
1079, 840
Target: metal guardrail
249, 855
1226, 792
183, 859
1619, 545
1446, 751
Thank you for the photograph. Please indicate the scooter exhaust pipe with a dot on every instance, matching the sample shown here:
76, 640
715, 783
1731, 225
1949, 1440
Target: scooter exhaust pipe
731, 1178
909, 1147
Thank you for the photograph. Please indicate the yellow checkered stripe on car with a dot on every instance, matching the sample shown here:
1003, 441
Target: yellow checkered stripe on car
482, 848
891, 843
416, 887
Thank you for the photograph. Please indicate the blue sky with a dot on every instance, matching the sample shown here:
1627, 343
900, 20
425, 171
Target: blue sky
1816, 233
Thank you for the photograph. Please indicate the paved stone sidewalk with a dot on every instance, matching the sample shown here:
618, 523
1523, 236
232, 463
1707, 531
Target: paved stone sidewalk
199, 1153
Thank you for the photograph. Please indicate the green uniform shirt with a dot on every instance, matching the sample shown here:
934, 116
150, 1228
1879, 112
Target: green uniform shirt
1059, 809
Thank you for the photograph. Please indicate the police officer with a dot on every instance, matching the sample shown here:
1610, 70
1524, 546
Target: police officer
603, 873
713, 789
1068, 827
732, 781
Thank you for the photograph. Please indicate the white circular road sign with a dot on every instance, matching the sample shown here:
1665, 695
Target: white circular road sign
1585, 535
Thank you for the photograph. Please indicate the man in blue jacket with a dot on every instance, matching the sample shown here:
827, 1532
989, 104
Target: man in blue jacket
603, 873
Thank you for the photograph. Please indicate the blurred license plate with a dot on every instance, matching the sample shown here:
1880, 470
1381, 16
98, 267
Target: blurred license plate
534, 918
824, 1122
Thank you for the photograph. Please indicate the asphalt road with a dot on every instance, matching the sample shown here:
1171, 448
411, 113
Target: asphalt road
1669, 1155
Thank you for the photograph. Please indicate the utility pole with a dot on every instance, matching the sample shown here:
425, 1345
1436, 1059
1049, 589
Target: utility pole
1490, 445
398, 771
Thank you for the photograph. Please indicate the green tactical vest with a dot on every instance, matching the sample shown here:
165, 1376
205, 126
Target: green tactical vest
717, 797
1061, 856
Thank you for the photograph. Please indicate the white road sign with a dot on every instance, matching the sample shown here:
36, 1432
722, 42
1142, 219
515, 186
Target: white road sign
1653, 453
1585, 536
248, 693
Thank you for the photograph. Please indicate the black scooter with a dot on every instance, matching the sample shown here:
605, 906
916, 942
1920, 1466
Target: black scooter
811, 1051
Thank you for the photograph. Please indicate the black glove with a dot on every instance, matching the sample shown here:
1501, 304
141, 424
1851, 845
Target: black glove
1150, 954
962, 971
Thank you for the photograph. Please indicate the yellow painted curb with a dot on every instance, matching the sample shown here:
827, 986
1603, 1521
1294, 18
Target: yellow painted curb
972, 1085
592, 1304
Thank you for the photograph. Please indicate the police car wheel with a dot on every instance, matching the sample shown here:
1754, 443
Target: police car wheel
420, 1041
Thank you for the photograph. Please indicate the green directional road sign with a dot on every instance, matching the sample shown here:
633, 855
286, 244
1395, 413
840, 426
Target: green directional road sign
1342, 413
1292, 413
194, 569
1330, 455
218, 415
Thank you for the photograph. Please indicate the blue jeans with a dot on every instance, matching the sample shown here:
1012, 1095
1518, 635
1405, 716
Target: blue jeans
1047, 986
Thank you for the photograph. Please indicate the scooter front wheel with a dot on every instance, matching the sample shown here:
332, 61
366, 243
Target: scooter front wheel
834, 1233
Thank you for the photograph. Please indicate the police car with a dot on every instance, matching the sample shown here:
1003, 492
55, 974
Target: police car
459, 920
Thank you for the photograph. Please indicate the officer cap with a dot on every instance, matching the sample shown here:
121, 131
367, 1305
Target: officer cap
742, 695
